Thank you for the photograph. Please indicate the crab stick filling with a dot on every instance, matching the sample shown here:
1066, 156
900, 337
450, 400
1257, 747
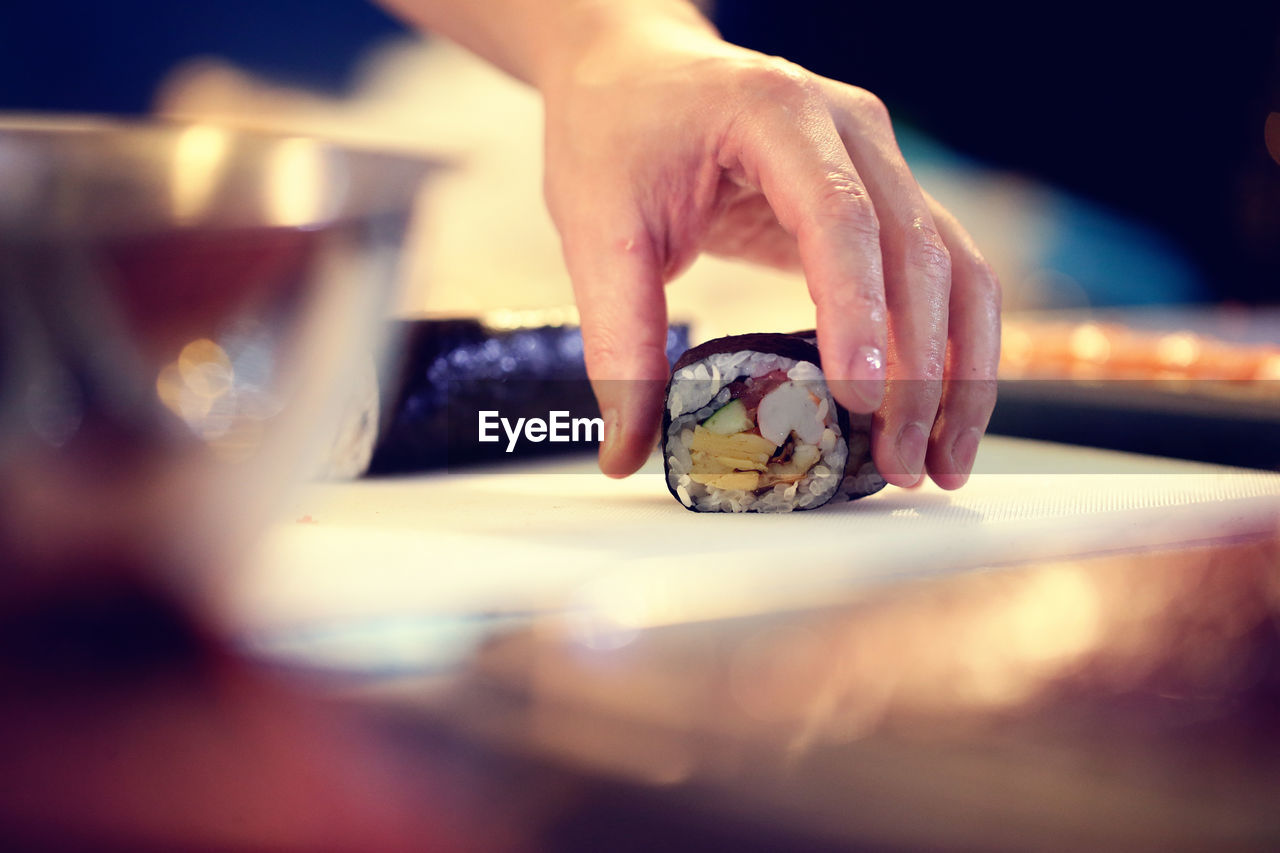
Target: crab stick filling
770, 432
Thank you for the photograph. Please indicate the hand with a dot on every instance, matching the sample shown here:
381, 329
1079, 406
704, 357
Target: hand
663, 141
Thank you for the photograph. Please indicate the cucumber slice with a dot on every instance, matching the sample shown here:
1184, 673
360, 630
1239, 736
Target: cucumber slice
730, 418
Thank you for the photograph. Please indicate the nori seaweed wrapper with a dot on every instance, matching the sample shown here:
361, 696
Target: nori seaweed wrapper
799, 346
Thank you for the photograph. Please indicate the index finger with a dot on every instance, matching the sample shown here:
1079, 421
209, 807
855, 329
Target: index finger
617, 283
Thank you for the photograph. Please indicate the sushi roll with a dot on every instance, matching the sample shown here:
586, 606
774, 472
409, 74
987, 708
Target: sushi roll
750, 426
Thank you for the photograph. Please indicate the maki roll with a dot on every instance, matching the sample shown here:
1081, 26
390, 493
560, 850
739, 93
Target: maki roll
750, 426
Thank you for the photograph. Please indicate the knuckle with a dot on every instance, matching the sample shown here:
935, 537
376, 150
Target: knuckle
603, 351
843, 202
612, 354
916, 398
984, 392
932, 371
866, 304
927, 253
870, 107
981, 285
869, 304
924, 364
976, 395
779, 81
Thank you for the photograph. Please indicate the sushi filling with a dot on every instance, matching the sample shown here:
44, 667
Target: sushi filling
766, 440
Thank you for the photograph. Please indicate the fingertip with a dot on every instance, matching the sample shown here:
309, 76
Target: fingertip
632, 413
624, 457
951, 464
611, 463
900, 457
628, 441
950, 481
616, 467
902, 479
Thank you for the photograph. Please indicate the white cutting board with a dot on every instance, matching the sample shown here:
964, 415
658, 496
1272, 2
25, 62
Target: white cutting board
392, 555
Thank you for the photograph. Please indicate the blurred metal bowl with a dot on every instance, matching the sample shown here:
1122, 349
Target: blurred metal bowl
181, 309
97, 177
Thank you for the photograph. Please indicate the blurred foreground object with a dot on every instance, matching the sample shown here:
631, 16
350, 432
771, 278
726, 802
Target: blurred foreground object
1114, 702
181, 307
125, 726
182, 304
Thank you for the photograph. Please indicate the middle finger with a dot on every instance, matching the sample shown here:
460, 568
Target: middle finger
917, 281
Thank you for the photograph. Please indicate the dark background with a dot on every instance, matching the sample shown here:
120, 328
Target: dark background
1155, 110
109, 56
1158, 115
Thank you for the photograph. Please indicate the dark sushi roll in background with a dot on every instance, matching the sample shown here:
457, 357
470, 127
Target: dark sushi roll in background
750, 426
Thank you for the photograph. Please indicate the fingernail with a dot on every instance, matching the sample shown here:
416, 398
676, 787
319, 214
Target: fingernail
912, 443
867, 374
965, 449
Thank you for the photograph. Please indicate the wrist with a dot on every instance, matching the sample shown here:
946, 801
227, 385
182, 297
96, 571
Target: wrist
595, 36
